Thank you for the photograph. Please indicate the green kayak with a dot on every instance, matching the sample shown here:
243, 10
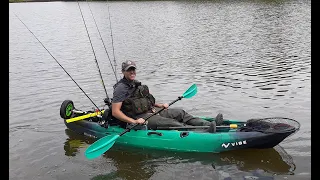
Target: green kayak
231, 135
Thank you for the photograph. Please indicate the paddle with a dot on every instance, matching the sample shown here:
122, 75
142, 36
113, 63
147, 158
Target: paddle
104, 144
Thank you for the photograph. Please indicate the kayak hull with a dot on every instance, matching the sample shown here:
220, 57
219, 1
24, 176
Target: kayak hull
224, 139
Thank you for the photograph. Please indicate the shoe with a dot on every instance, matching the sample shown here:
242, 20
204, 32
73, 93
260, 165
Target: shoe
212, 128
219, 119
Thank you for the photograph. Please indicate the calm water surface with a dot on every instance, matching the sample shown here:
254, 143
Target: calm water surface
250, 59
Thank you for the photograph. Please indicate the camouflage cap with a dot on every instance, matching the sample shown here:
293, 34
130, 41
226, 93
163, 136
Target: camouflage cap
128, 64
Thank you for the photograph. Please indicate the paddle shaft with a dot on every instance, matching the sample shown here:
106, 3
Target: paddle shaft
127, 130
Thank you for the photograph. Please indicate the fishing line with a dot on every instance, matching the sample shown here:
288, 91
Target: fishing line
114, 57
103, 43
95, 58
57, 62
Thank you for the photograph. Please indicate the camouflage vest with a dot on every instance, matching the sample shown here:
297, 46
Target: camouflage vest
140, 102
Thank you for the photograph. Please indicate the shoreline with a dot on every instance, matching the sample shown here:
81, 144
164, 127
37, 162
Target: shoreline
22, 1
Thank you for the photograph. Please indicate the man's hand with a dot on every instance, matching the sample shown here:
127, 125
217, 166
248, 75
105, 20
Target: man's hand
160, 105
165, 105
139, 121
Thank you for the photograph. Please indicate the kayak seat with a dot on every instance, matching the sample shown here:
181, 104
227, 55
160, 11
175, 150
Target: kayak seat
107, 117
111, 120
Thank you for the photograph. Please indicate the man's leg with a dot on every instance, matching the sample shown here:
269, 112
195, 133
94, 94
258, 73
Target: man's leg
182, 116
158, 121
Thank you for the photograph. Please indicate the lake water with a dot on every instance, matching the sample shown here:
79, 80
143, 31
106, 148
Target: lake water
249, 59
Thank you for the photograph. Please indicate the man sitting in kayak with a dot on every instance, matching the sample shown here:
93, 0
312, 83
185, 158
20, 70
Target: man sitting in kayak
132, 102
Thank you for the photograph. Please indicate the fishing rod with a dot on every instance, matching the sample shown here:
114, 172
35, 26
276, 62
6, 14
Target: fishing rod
95, 58
114, 57
58, 63
113, 69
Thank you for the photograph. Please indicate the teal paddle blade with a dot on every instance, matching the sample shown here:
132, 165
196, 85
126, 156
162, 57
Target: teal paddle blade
100, 146
191, 91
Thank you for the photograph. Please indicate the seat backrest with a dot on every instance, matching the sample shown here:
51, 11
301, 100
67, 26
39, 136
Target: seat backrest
112, 121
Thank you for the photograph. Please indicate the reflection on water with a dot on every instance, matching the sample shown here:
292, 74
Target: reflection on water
254, 162
74, 142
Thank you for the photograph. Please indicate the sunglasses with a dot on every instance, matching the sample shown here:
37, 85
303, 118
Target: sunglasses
131, 69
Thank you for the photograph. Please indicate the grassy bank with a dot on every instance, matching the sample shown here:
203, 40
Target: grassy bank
15, 1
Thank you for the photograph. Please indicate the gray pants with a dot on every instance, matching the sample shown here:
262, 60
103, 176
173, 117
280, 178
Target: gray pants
174, 118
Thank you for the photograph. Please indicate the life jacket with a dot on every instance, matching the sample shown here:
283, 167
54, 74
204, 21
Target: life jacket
140, 101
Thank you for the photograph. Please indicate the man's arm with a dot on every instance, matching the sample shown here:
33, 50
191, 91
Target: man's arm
117, 113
